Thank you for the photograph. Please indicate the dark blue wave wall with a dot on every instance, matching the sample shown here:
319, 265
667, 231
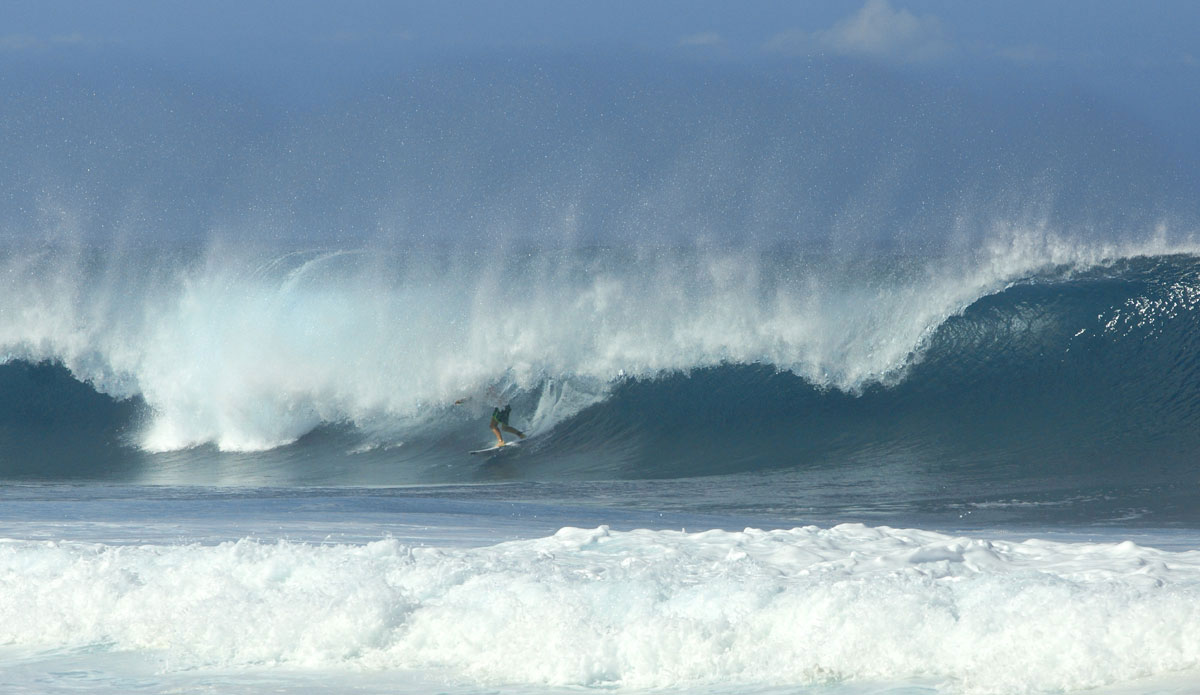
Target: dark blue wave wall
54, 427
1094, 375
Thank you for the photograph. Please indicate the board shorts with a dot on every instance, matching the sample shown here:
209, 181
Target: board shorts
500, 417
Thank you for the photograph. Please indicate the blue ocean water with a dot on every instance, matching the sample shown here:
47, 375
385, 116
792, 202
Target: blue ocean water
832, 382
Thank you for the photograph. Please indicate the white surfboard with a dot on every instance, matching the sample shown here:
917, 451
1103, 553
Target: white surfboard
498, 447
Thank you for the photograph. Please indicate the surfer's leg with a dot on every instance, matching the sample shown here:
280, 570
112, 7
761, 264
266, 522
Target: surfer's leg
496, 431
514, 431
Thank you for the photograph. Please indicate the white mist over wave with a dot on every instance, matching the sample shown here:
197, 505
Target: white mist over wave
644, 609
250, 350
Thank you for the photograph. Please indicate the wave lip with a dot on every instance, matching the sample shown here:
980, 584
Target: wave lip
646, 609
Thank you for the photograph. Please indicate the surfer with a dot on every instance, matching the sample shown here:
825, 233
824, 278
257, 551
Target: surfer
500, 422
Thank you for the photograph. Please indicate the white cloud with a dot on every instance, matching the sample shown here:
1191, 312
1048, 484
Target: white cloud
17, 42
791, 42
881, 31
1038, 56
703, 39
23, 42
354, 37
1028, 54
877, 30
73, 39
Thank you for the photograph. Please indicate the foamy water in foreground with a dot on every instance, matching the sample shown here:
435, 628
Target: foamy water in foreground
270, 592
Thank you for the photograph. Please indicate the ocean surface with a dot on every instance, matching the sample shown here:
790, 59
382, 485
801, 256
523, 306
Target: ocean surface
896, 403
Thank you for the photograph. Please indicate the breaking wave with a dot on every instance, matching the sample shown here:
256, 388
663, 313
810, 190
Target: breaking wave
621, 363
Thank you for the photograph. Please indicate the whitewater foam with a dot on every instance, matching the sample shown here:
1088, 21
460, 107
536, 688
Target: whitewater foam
645, 609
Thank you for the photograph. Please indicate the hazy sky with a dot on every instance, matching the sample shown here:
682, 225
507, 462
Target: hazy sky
1096, 31
1143, 56
1037, 82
